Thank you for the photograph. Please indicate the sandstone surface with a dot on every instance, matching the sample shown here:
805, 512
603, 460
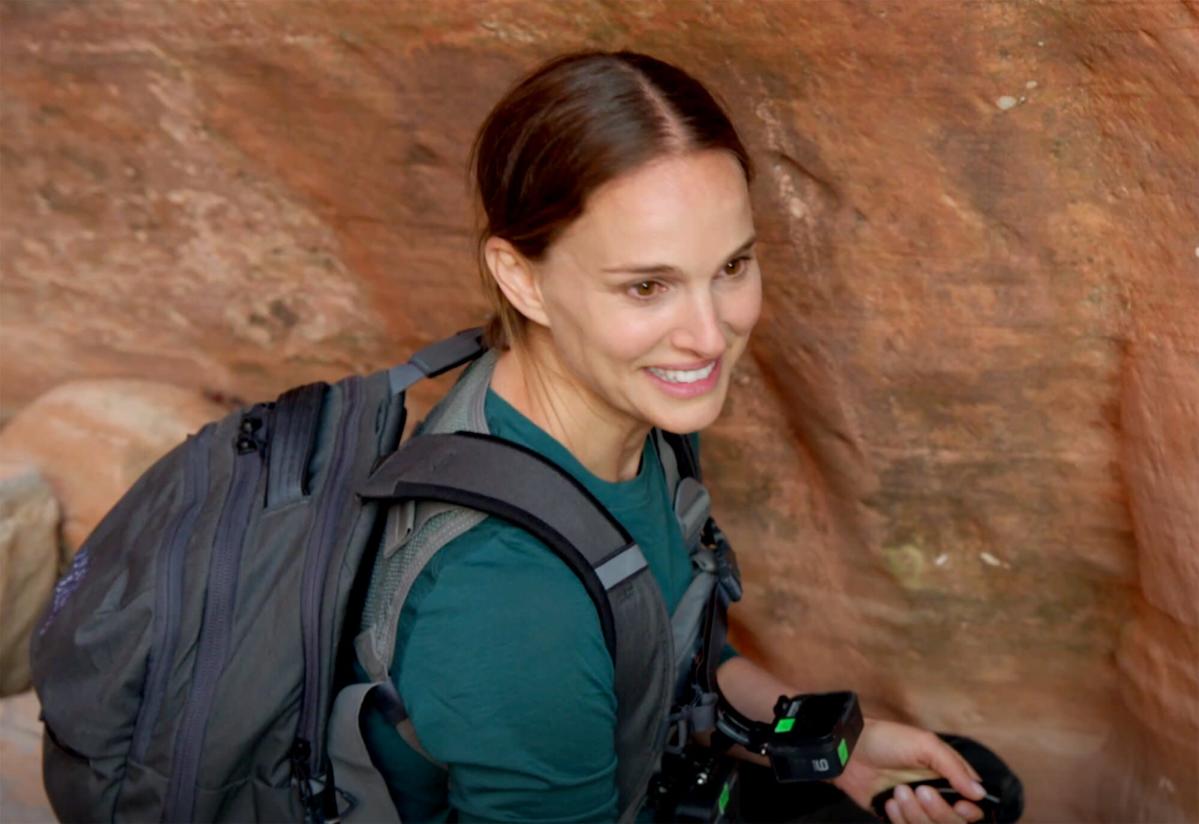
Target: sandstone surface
960, 461
30, 561
92, 439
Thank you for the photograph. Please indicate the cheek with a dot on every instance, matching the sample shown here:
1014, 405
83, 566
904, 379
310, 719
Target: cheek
742, 308
609, 336
631, 336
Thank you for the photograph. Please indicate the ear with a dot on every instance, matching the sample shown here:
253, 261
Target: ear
516, 278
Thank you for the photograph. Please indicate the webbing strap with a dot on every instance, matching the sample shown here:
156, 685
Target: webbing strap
296, 418
402, 376
356, 776
716, 623
429, 362
437, 358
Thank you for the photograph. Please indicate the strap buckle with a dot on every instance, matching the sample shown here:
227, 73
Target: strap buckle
698, 716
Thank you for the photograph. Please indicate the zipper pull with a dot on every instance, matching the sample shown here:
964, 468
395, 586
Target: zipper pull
247, 438
301, 750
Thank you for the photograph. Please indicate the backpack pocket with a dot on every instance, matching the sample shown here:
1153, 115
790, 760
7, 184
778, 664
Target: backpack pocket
79, 786
102, 633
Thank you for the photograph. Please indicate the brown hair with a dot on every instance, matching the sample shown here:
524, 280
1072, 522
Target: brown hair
570, 126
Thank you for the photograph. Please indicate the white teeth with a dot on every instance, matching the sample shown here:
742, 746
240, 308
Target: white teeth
684, 375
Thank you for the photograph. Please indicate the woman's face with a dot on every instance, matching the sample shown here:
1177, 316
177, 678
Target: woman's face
651, 294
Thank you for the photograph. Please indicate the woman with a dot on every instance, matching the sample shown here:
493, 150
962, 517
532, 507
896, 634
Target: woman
618, 253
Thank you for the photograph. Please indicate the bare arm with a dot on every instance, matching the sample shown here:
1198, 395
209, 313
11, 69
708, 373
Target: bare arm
887, 753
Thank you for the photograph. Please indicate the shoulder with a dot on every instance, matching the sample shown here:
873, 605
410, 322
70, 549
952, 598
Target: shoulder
498, 558
504, 671
494, 597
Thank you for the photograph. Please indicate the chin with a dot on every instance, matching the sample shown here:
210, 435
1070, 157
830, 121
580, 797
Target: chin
686, 421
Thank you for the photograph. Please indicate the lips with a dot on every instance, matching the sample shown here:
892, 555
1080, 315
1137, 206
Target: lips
683, 376
686, 383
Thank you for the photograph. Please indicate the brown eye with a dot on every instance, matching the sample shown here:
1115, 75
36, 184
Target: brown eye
645, 289
736, 266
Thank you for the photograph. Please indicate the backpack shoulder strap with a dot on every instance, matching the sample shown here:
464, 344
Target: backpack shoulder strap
699, 623
503, 479
415, 530
463, 476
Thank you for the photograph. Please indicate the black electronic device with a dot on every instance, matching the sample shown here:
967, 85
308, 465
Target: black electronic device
810, 739
697, 784
813, 735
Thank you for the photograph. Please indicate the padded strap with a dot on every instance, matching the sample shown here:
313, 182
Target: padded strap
293, 440
692, 507
700, 627
506, 480
685, 458
688, 620
666, 456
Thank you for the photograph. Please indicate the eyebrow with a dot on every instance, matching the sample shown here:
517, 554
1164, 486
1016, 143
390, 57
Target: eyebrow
665, 269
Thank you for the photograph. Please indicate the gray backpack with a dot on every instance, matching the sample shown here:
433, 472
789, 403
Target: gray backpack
193, 663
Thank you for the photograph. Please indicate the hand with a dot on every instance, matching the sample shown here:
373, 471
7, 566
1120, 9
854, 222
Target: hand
889, 754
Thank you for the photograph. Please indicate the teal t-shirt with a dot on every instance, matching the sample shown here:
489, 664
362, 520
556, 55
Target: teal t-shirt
502, 666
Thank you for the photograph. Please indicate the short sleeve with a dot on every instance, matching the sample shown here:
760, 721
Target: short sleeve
516, 694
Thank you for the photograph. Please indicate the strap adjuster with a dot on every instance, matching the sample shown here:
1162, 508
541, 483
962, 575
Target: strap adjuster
698, 716
727, 571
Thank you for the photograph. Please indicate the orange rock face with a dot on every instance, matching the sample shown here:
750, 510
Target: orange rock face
29, 565
92, 439
960, 463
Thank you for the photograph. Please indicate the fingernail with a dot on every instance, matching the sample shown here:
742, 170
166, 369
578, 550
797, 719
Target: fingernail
926, 793
979, 792
903, 792
967, 811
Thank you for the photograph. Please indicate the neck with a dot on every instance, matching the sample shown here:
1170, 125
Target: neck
532, 378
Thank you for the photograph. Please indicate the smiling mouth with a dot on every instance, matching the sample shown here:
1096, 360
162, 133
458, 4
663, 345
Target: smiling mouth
683, 375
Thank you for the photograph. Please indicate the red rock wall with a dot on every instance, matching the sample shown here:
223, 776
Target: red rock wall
961, 463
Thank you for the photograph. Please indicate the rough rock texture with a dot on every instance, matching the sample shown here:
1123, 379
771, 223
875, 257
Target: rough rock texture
92, 439
22, 798
29, 565
961, 461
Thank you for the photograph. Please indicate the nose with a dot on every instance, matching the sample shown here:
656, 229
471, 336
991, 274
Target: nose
699, 330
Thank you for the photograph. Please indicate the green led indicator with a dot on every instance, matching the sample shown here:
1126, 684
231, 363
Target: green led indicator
724, 799
785, 725
843, 752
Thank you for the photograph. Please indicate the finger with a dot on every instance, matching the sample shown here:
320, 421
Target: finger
894, 813
968, 811
910, 806
935, 807
949, 763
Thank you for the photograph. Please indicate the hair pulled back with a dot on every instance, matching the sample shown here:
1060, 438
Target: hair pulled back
570, 126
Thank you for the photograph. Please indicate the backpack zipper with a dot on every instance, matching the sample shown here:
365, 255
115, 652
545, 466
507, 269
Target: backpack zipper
308, 751
213, 644
168, 595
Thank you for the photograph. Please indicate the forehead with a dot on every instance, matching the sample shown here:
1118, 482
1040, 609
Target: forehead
680, 210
